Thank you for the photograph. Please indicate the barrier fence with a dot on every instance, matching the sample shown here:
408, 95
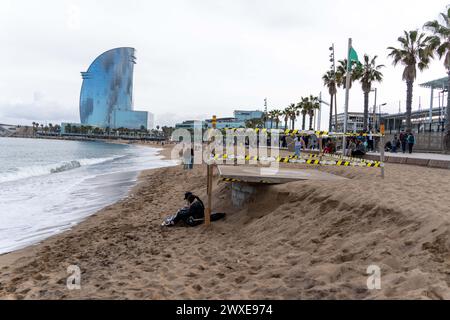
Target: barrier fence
315, 160
320, 134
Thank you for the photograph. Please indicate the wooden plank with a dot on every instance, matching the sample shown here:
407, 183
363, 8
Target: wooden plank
209, 194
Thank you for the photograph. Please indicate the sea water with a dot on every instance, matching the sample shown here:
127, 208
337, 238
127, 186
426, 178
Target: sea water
48, 186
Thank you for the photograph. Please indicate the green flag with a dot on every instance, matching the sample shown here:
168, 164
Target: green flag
353, 56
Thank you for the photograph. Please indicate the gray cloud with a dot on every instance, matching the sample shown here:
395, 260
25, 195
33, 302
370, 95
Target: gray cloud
198, 57
37, 109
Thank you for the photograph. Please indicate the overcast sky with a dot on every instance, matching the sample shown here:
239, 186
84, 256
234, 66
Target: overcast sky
196, 58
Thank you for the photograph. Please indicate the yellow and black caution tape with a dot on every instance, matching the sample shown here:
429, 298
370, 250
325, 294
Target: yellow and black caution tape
299, 132
230, 180
335, 156
305, 156
297, 160
351, 159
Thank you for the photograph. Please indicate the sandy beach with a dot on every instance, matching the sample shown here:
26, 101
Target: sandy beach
301, 240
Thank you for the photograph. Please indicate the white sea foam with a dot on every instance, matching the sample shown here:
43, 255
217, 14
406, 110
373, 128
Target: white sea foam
36, 171
39, 199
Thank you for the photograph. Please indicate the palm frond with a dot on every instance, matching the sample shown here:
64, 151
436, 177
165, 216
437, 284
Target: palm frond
432, 26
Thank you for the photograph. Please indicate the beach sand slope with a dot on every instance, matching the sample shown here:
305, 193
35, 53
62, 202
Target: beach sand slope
302, 240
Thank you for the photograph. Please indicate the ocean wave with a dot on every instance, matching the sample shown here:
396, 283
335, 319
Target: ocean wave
36, 171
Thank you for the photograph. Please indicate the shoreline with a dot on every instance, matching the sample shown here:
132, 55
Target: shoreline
302, 240
11, 257
90, 139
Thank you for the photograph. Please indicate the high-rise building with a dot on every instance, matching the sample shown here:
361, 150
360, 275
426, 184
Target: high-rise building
151, 121
106, 98
242, 115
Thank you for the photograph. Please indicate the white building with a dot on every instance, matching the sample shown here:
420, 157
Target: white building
151, 121
355, 121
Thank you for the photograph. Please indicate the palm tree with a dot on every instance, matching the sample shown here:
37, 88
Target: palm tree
414, 52
329, 80
293, 114
309, 105
271, 117
314, 104
255, 123
368, 73
285, 114
440, 43
341, 73
303, 107
277, 114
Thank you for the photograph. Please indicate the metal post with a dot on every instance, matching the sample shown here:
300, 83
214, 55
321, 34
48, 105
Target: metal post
320, 145
382, 155
265, 113
209, 192
382, 130
347, 94
319, 116
209, 179
375, 108
335, 113
431, 106
320, 149
442, 112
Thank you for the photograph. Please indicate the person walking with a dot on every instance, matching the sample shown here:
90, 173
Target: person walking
411, 140
395, 144
187, 158
403, 142
191, 163
283, 142
370, 144
299, 143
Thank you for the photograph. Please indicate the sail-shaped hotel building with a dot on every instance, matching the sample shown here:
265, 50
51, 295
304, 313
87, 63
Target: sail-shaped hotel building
106, 98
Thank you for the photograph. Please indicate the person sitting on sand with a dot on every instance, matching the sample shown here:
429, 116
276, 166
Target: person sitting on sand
351, 147
193, 214
328, 148
388, 146
360, 149
395, 144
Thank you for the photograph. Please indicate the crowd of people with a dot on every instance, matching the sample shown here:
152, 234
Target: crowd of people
305, 142
405, 141
356, 146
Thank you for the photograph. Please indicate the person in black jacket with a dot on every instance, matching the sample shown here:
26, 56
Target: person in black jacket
194, 213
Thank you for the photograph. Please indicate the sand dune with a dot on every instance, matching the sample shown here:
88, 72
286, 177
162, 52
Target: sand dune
302, 240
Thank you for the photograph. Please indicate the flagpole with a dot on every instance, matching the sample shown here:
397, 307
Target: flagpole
347, 95
319, 117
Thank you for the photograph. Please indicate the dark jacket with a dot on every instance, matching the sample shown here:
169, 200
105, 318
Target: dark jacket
197, 210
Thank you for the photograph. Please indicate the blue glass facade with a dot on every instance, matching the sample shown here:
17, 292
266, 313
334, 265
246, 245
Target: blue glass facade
248, 115
106, 98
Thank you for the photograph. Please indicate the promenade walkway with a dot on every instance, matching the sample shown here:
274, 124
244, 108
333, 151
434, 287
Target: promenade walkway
433, 160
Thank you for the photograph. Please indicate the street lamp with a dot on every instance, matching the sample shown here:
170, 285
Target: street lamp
333, 70
374, 106
332, 58
379, 114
